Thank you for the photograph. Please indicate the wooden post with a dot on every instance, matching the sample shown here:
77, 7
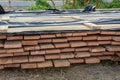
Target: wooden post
88, 2
96, 3
73, 3
85, 2
63, 1
9, 1
66, 1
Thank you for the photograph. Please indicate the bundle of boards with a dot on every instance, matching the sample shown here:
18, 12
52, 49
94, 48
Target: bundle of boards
32, 40
58, 49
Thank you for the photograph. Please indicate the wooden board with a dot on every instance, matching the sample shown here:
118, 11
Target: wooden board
110, 26
48, 28
56, 19
92, 26
3, 28
36, 19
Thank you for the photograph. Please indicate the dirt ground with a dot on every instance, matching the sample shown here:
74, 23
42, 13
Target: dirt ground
75, 72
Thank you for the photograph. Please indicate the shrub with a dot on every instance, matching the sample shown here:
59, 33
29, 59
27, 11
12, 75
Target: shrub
68, 5
40, 5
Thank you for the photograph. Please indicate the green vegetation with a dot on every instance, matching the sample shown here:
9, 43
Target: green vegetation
114, 4
68, 5
40, 5
43, 4
80, 4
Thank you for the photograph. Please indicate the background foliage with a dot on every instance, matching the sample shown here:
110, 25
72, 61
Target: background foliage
80, 4
40, 5
43, 4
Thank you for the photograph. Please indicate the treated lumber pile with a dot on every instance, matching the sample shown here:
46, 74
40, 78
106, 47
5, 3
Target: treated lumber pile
58, 49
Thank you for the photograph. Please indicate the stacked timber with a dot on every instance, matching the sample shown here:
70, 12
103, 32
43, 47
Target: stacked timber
61, 49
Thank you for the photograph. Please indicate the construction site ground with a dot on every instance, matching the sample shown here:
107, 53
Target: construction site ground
101, 71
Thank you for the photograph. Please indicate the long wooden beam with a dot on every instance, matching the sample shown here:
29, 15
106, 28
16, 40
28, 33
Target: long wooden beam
85, 26
48, 28
56, 19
